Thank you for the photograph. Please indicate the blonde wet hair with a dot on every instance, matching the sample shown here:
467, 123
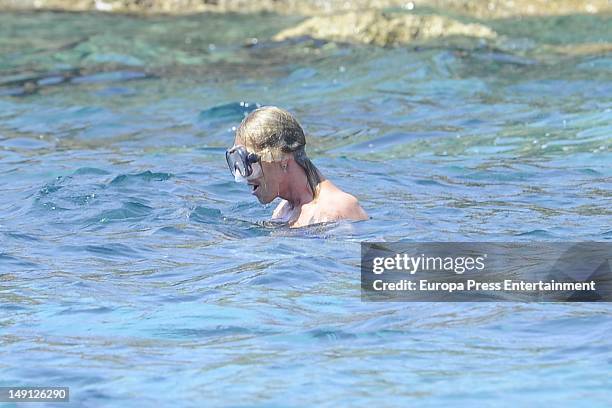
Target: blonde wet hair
272, 132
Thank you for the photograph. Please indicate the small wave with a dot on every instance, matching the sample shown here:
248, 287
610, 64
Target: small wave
536, 233
144, 176
213, 332
331, 335
24, 143
66, 191
90, 170
430, 183
205, 215
22, 237
130, 210
230, 112
170, 231
112, 250
91, 310
11, 260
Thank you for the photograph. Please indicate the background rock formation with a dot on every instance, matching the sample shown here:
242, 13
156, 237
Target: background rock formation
378, 22
372, 27
474, 8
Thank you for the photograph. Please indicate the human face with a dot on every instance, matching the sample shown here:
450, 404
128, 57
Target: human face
263, 177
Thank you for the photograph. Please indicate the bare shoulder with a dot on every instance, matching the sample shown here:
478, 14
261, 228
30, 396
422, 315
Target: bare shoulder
338, 204
349, 207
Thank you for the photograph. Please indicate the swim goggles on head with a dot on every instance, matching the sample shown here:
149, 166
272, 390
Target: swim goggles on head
240, 161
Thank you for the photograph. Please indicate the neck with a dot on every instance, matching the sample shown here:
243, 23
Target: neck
295, 188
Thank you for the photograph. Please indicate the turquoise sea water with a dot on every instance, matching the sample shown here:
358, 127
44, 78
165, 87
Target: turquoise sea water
135, 271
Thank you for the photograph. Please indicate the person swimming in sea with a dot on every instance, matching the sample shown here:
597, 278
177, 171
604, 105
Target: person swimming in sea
269, 154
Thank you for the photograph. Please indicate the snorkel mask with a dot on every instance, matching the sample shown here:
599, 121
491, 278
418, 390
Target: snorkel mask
240, 162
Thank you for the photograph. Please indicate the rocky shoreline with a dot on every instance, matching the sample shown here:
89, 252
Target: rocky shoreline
377, 22
482, 9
